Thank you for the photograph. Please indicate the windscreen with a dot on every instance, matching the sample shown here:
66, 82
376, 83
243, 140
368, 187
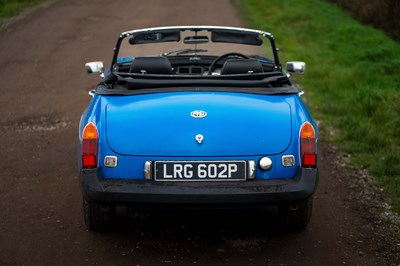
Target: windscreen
172, 43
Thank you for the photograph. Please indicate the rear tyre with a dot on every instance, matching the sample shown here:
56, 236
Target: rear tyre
296, 216
98, 216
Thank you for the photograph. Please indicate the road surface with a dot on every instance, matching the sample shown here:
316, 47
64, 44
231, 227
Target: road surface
43, 92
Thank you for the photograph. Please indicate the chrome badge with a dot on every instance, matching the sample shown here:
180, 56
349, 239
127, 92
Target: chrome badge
198, 114
199, 138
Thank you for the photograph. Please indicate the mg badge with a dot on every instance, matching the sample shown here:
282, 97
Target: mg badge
199, 138
198, 114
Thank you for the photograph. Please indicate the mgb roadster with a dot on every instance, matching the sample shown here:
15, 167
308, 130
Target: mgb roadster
197, 116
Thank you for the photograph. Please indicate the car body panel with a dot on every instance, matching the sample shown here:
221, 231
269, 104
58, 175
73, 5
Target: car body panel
131, 165
161, 124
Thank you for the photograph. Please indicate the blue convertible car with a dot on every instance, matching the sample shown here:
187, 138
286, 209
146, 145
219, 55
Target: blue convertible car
199, 116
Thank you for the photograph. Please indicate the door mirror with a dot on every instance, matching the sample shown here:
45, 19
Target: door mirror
95, 67
296, 67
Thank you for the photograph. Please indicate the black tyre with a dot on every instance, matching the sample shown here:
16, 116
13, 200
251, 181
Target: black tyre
98, 216
296, 216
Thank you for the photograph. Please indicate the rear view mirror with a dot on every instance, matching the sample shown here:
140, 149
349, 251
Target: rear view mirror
95, 67
195, 39
296, 67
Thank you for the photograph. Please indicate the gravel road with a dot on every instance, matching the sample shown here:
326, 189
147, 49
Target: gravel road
44, 90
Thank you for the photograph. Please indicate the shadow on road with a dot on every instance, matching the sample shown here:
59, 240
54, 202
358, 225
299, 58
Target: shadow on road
201, 222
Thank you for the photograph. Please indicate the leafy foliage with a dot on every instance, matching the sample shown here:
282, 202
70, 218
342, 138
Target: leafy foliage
382, 14
352, 81
9, 8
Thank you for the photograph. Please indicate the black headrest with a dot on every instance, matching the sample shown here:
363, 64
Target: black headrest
151, 65
241, 66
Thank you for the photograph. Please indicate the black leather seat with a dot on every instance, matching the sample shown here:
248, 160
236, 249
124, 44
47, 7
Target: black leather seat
241, 66
151, 65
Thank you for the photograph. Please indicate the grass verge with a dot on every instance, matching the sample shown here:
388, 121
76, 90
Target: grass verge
352, 82
10, 8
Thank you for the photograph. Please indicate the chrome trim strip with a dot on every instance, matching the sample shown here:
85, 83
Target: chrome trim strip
128, 33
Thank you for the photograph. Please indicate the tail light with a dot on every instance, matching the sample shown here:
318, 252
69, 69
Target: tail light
308, 146
90, 138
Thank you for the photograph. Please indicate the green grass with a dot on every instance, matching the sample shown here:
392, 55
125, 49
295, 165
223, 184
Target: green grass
352, 82
9, 8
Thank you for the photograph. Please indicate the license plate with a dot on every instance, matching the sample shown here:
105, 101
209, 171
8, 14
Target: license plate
200, 171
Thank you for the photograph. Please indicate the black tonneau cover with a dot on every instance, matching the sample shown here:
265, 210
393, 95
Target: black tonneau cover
131, 84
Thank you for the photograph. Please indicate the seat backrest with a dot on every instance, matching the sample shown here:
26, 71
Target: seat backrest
241, 66
151, 65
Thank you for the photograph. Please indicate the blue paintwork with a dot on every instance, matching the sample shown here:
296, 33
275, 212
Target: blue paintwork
158, 126
236, 124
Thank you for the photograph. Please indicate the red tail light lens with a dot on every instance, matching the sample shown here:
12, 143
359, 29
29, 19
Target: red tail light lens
308, 146
90, 138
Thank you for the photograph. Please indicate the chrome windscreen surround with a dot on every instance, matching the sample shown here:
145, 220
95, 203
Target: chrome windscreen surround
196, 29
251, 170
148, 170
193, 28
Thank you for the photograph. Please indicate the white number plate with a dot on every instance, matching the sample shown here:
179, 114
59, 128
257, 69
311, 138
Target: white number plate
200, 170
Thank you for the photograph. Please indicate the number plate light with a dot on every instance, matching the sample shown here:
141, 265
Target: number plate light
252, 170
148, 173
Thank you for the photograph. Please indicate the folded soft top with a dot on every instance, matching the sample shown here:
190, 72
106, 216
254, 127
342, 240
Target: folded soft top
130, 84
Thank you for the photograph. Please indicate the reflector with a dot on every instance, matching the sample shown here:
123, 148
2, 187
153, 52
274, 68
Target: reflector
288, 160
110, 161
89, 161
309, 160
